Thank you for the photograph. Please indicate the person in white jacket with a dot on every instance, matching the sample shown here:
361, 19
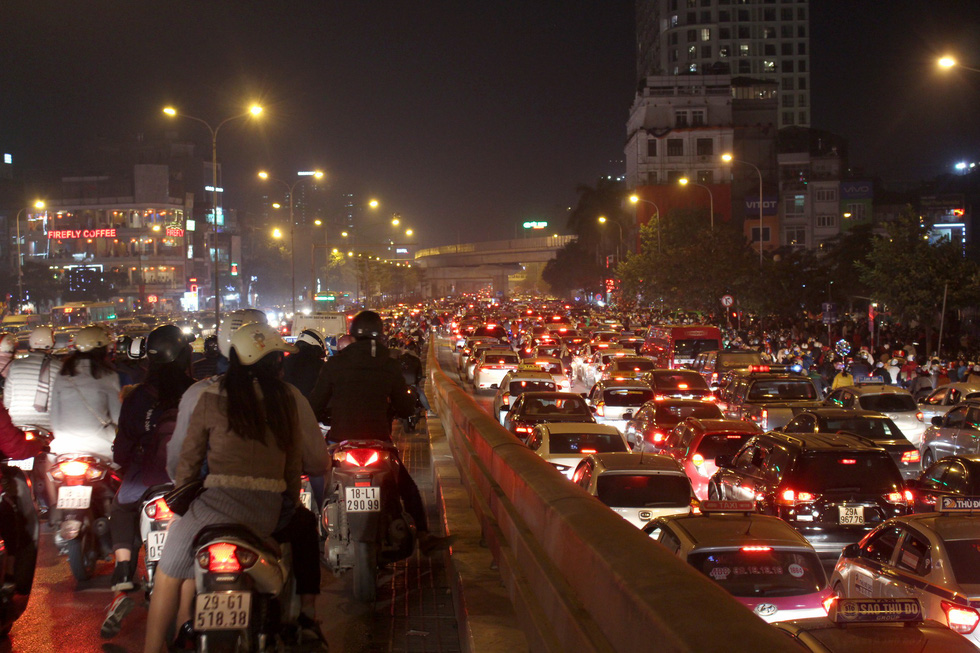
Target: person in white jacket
85, 400
30, 381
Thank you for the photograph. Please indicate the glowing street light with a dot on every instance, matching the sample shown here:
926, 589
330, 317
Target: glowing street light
636, 199
374, 204
395, 222
684, 181
409, 232
948, 62
276, 233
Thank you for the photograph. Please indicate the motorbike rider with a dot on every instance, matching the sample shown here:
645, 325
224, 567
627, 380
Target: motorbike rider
27, 391
303, 368
145, 421
85, 397
207, 364
412, 372
362, 389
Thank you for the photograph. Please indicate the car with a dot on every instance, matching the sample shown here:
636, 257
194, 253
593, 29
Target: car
466, 349
533, 408
897, 403
933, 557
564, 445
469, 365
856, 626
678, 384
491, 330
492, 366
770, 399
626, 367
866, 423
760, 560
526, 378
697, 442
614, 401
951, 476
590, 369
552, 366
956, 432
938, 402
831, 487
636, 487
648, 428
713, 365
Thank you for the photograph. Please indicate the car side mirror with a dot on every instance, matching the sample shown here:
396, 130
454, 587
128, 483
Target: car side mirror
724, 462
628, 415
937, 421
851, 551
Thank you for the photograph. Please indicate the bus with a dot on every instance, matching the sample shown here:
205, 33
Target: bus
677, 346
82, 313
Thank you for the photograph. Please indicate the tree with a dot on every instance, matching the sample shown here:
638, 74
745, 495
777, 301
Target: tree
573, 268
42, 286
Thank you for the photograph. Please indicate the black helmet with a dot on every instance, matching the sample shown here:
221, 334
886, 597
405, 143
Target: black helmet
165, 344
367, 324
211, 346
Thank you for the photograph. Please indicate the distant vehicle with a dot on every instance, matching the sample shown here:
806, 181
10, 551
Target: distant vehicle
82, 313
614, 401
533, 408
492, 366
897, 403
938, 402
714, 365
327, 324
648, 428
677, 384
770, 399
679, 346
524, 379
564, 445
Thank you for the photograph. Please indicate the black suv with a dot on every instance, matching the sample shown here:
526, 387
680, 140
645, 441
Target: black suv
831, 487
770, 399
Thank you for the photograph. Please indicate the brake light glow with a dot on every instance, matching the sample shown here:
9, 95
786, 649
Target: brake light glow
758, 368
658, 437
919, 416
756, 549
847, 461
587, 452
73, 468
159, 510
680, 386
522, 429
911, 456
961, 619
899, 497
600, 409
362, 457
697, 459
909, 497
505, 400
222, 558
829, 601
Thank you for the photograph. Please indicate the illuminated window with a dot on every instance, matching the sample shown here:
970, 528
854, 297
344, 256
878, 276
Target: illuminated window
768, 32
705, 34
723, 52
743, 49
796, 236
795, 205
692, 51
768, 66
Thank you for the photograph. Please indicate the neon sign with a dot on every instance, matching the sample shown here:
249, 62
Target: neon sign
81, 233
174, 232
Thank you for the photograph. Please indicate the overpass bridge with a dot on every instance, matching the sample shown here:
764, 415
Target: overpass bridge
501, 264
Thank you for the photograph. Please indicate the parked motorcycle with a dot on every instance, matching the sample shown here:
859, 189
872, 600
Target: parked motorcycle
155, 520
86, 484
363, 517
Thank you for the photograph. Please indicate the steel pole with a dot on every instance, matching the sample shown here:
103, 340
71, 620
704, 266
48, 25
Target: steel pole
214, 226
292, 247
20, 269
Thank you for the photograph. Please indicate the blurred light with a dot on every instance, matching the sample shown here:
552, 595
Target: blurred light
947, 62
255, 109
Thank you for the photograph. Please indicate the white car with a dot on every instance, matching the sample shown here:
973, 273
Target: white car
615, 401
492, 366
565, 444
897, 403
933, 557
599, 359
526, 378
938, 402
637, 487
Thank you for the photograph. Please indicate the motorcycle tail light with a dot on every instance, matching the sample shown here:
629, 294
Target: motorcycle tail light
73, 468
159, 510
220, 558
362, 457
920, 416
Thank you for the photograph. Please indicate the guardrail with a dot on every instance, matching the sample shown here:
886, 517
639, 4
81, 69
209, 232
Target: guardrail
580, 577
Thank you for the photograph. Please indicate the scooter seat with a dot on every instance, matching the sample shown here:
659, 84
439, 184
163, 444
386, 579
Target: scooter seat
156, 489
215, 532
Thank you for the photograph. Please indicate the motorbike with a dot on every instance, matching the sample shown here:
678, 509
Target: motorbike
411, 423
245, 592
155, 520
363, 516
86, 485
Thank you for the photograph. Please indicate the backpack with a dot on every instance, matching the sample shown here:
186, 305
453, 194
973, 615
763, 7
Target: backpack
150, 467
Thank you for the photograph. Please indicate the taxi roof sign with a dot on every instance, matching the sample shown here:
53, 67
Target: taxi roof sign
852, 611
727, 506
959, 504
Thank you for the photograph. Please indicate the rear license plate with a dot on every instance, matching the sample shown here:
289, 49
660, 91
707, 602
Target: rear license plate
27, 464
154, 545
74, 497
222, 611
851, 515
306, 498
363, 499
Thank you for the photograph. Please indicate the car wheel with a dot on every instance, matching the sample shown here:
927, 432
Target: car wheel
928, 459
838, 590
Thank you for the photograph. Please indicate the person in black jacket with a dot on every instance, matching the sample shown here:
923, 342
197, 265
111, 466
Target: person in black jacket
362, 390
302, 369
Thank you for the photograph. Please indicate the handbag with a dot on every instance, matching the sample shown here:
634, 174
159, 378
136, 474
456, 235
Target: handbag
179, 499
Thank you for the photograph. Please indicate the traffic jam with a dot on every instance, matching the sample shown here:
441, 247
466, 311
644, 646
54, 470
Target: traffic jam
844, 513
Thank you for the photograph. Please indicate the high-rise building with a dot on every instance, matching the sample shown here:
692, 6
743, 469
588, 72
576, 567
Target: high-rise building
761, 39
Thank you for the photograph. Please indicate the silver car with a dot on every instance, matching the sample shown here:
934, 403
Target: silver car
938, 402
955, 433
614, 401
897, 403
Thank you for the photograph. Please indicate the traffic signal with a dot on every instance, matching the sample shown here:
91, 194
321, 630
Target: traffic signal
234, 269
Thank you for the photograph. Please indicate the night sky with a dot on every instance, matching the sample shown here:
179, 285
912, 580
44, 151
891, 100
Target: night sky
465, 117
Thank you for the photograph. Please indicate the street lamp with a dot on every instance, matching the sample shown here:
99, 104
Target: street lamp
303, 175
604, 220
636, 199
949, 62
253, 110
684, 181
728, 158
20, 269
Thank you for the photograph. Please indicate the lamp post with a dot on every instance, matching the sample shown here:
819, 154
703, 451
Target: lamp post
20, 265
303, 175
728, 158
949, 62
603, 220
684, 181
635, 199
254, 110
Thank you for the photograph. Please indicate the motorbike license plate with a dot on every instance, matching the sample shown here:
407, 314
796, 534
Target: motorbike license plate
306, 498
27, 464
74, 497
222, 611
851, 515
154, 545
363, 499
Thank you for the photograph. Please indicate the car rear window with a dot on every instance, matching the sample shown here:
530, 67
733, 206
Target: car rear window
570, 405
782, 389
851, 471
889, 403
501, 359
691, 348
759, 573
643, 490
721, 444
520, 387
550, 368
734, 360
634, 365
679, 381
672, 413
577, 443
626, 396
964, 556
869, 427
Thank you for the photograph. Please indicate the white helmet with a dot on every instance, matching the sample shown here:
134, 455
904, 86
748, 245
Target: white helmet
137, 348
90, 337
234, 321
41, 338
253, 341
312, 338
8, 343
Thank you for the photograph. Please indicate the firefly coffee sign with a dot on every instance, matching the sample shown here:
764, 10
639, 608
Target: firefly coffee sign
69, 234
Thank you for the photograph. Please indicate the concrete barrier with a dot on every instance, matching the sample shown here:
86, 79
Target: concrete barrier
580, 577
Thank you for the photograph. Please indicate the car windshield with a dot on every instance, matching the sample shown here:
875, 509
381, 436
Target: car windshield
570, 405
782, 389
875, 428
626, 396
579, 443
888, 403
964, 556
721, 444
678, 381
643, 490
762, 571
691, 348
869, 472
734, 360
673, 413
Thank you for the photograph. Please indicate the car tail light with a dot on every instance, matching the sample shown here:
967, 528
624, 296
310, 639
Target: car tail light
756, 549
847, 461
828, 602
682, 386
600, 409
588, 452
659, 397
505, 400
522, 429
919, 416
961, 619
912, 456
909, 497
362, 457
905, 497
159, 510
695, 506
697, 459
657, 437
805, 497
714, 377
